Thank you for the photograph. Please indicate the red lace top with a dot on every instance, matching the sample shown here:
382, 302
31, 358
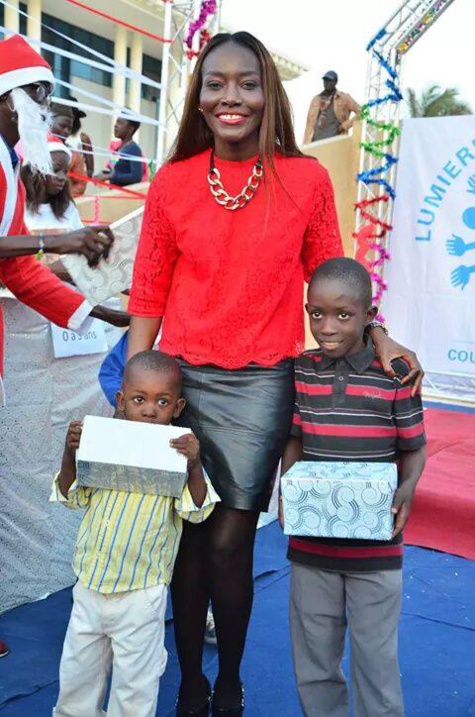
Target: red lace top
229, 284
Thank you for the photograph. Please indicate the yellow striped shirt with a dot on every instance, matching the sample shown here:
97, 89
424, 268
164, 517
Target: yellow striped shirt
128, 541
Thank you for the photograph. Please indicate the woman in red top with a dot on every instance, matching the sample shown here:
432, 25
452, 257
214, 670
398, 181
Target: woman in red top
234, 223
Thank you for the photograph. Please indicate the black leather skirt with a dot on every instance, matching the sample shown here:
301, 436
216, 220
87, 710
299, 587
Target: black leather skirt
242, 419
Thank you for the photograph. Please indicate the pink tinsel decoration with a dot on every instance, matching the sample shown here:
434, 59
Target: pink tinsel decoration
208, 7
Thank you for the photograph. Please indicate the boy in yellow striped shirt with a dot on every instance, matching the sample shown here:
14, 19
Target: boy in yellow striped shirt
124, 557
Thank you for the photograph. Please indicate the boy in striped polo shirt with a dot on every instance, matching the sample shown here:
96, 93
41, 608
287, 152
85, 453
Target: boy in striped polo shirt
348, 409
125, 553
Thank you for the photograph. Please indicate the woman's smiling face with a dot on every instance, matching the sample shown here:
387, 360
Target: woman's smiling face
232, 100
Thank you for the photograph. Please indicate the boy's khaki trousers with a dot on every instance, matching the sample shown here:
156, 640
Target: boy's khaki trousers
322, 603
123, 631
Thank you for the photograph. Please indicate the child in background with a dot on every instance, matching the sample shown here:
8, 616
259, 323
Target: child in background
348, 409
124, 558
127, 165
62, 127
49, 205
110, 379
111, 371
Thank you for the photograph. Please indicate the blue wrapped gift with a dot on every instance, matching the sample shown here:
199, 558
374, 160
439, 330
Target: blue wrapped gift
339, 500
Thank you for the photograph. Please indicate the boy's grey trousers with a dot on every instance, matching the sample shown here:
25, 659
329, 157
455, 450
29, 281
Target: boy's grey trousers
322, 603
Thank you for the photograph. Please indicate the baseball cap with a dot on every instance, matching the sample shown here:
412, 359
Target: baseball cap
330, 75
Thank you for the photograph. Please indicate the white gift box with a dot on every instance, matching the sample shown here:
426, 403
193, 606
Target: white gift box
130, 456
339, 500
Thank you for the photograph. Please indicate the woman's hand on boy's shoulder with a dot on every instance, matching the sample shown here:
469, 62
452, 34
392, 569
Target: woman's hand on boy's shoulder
73, 437
389, 350
189, 446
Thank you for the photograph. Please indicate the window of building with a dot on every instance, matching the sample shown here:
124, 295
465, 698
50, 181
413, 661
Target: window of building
65, 68
152, 68
23, 8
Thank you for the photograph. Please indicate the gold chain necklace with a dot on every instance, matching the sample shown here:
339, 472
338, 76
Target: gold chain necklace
245, 195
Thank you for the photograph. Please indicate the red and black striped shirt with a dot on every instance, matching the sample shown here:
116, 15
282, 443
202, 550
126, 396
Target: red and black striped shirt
348, 409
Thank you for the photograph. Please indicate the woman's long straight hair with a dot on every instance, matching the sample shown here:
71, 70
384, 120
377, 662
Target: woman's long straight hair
276, 131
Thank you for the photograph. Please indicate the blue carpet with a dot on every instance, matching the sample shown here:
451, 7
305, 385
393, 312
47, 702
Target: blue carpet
460, 407
437, 642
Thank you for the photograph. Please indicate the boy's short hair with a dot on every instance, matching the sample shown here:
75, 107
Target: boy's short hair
125, 115
349, 272
134, 124
154, 361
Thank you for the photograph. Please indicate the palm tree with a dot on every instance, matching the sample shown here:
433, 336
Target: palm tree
437, 102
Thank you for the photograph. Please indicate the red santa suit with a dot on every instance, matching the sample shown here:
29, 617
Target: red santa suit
30, 281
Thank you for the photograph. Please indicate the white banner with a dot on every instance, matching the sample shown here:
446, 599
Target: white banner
430, 302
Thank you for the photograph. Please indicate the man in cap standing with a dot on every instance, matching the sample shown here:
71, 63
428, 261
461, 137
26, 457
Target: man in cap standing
330, 112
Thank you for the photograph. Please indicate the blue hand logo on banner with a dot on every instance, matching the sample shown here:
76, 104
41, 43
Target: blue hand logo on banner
468, 216
461, 275
431, 279
456, 246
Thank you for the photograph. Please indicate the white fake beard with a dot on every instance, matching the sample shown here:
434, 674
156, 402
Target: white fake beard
34, 123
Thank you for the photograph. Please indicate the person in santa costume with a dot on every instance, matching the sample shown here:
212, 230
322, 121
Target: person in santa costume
26, 82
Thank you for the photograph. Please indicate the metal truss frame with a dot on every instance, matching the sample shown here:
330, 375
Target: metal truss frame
386, 52
176, 67
401, 32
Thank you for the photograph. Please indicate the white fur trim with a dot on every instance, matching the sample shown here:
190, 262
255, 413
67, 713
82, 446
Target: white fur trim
11, 194
25, 76
60, 147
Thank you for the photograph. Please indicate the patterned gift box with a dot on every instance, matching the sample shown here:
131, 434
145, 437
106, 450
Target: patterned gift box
113, 275
339, 500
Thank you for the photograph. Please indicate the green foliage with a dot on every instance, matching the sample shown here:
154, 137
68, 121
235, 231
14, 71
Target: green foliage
434, 101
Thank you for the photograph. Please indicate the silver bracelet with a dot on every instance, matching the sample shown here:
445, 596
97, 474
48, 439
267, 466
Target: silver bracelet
377, 325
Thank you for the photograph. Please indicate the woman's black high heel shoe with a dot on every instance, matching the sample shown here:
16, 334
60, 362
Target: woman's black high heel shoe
203, 711
235, 711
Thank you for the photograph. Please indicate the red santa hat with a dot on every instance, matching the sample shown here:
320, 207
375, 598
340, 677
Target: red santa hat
56, 145
21, 65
